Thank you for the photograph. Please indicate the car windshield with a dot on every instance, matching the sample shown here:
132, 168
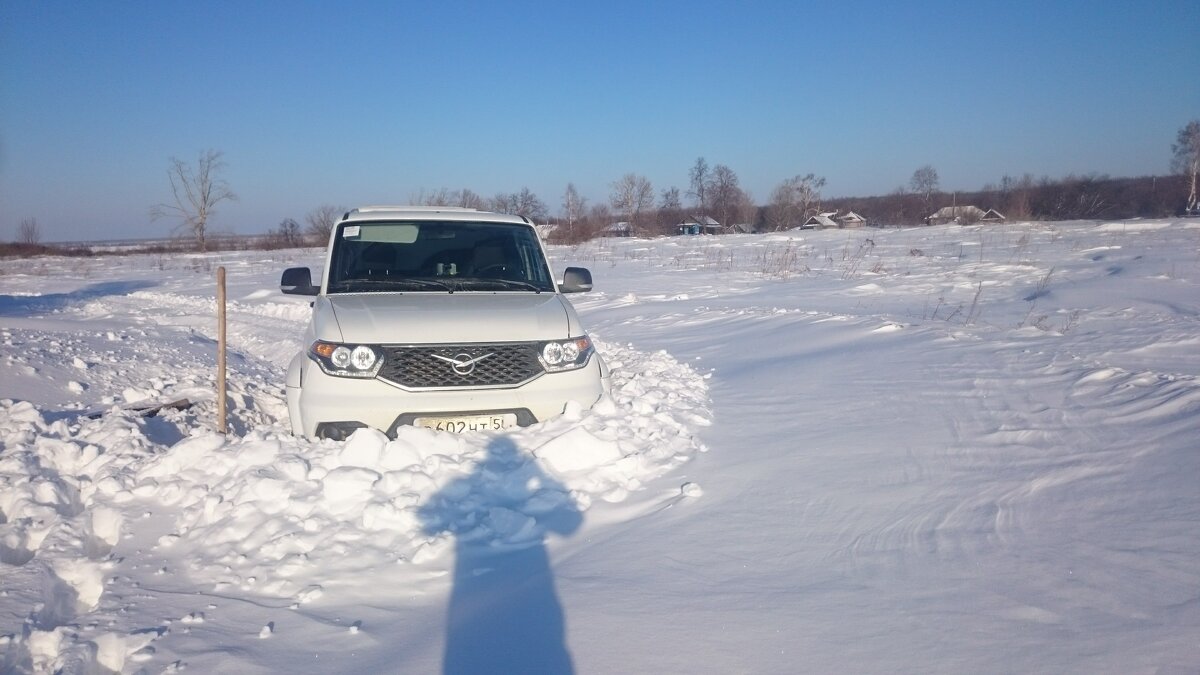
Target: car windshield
437, 256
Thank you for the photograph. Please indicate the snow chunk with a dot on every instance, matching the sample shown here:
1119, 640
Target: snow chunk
363, 448
577, 450
193, 454
23, 411
133, 394
348, 488
84, 577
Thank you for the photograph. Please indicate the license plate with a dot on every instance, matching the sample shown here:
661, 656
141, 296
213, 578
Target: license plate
468, 423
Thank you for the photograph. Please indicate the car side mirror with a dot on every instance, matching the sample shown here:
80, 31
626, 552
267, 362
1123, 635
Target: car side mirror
298, 281
576, 280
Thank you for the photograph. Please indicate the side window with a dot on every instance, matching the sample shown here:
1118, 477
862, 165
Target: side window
531, 260
344, 257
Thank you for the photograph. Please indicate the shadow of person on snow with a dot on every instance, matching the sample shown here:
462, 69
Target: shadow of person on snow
504, 614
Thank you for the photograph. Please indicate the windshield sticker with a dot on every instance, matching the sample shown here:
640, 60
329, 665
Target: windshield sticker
350, 231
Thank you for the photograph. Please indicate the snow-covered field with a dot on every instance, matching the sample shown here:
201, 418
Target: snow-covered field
935, 450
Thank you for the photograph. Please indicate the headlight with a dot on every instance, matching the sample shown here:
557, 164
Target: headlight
565, 354
346, 360
363, 358
341, 357
552, 353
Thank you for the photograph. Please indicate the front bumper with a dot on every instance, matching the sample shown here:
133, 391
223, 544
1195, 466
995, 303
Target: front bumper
343, 404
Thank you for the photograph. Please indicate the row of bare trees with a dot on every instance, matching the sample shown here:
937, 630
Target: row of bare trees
1074, 197
715, 192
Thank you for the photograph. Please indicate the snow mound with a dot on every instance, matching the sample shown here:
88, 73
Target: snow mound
275, 515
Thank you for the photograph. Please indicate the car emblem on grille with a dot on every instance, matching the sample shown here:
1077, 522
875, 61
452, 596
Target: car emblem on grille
462, 364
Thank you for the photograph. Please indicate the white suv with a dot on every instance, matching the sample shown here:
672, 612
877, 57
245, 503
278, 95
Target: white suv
438, 317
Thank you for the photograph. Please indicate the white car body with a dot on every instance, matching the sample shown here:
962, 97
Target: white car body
451, 350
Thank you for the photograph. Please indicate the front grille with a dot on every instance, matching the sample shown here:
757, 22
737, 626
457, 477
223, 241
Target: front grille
509, 364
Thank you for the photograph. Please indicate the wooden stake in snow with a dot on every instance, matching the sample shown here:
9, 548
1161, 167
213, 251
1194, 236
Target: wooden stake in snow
221, 350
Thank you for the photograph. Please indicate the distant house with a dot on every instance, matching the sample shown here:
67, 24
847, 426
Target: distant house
851, 219
621, 229
740, 228
960, 215
992, 216
699, 225
821, 220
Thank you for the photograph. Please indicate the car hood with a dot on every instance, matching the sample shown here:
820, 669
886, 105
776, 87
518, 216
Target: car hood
424, 318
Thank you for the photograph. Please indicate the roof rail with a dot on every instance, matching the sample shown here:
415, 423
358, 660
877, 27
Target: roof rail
407, 207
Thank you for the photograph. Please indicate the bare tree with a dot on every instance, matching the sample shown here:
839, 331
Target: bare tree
29, 232
600, 214
924, 182
670, 209
747, 212
531, 206
463, 198
196, 192
572, 208
321, 221
724, 194
439, 197
794, 200
1015, 196
632, 195
287, 235
669, 199
469, 199
504, 202
699, 177
1186, 160
523, 203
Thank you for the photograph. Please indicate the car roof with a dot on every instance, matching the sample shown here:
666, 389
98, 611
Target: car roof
430, 213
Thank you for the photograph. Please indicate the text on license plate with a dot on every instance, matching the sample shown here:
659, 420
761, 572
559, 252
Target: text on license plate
459, 425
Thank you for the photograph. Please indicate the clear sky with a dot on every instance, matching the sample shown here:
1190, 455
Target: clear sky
356, 103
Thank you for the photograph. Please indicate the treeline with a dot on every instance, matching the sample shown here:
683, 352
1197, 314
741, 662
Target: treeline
220, 242
635, 209
716, 203
1088, 197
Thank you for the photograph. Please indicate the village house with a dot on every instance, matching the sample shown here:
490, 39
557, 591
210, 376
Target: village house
965, 215
830, 219
851, 219
698, 225
621, 229
992, 216
821, 220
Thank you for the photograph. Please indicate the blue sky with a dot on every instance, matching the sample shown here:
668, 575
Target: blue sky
316, 103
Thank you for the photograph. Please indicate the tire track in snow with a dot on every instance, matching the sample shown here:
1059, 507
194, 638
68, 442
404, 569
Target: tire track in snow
1048, 452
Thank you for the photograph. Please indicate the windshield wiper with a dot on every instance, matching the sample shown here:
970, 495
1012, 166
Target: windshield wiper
398, 284
432, 283
508, 283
